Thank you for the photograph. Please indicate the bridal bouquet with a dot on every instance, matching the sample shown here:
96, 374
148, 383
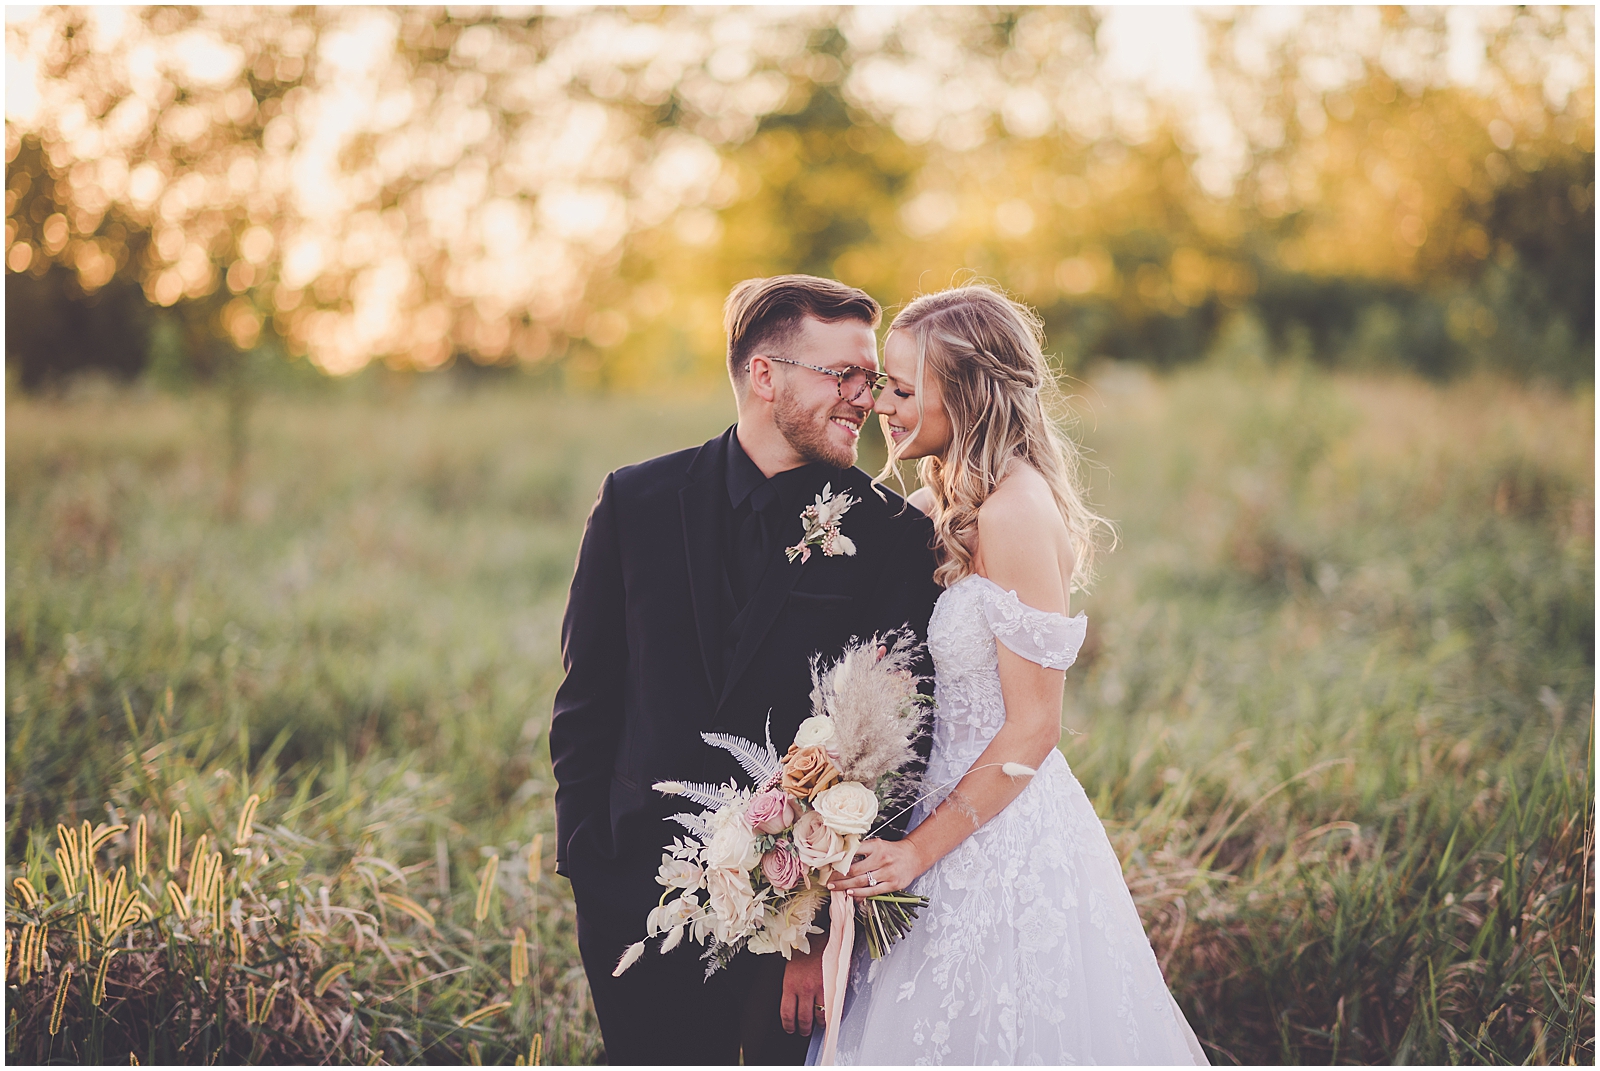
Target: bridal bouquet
753, 871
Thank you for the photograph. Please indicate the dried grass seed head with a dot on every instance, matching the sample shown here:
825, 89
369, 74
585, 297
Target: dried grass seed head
873, 704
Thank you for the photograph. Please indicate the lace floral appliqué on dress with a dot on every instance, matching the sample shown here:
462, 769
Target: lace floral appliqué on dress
1030, 950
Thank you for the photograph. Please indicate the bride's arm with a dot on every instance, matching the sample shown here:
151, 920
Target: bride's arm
1016, 533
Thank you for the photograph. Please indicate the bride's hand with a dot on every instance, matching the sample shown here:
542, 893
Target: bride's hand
881, 866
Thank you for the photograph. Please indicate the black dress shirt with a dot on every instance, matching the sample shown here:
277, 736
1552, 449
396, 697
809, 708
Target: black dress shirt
763, 518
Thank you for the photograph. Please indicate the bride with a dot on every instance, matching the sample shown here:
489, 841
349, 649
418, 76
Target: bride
1030, 949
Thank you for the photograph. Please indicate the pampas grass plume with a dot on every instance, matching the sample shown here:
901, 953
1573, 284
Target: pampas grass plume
872, 703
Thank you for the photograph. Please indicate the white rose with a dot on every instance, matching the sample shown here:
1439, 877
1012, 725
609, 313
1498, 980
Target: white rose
734, 907
848, 808
815, 730
733, 847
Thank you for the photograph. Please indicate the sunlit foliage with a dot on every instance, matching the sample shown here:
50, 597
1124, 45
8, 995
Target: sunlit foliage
579, 190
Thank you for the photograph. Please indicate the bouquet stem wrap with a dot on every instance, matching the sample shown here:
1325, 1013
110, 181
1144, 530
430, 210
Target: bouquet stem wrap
836, 969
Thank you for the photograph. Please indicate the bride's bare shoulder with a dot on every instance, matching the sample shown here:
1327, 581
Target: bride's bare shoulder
1020, 534
922, 499
1020, 504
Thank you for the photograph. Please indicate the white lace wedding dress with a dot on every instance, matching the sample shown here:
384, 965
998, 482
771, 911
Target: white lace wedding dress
1030, 950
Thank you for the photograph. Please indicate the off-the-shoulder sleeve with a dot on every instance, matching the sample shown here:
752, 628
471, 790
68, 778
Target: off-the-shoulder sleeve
1052, 640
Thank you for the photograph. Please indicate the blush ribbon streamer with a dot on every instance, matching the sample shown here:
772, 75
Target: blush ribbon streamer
836, 969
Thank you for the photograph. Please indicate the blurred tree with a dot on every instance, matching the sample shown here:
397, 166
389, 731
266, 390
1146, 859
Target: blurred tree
1413, 220
577, 191
151, 171
813, 189
406, 185
60, 323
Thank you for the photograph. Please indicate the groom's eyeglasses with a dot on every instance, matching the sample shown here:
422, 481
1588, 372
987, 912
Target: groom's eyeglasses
852, 381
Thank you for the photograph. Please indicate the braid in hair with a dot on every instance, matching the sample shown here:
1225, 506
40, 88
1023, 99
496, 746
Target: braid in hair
987, 352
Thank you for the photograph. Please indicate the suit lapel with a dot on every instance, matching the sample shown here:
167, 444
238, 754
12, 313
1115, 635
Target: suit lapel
702, 514
776, 583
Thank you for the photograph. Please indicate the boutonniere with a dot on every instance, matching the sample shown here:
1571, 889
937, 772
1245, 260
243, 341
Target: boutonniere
821, 520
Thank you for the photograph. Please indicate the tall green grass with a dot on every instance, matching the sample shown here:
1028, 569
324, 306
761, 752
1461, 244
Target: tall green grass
1340, 715
1336, 707
336, 922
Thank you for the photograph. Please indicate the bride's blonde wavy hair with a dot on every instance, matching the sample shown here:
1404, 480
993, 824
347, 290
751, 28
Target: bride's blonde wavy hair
987, 354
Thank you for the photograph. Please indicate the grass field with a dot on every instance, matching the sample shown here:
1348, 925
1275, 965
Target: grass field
1336, 709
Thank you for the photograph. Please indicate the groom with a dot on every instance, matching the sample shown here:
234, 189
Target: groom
685, 616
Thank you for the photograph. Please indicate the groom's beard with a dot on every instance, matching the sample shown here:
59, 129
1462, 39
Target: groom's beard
810, 435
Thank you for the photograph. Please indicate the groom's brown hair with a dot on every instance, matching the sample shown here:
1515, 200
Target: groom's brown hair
764, 313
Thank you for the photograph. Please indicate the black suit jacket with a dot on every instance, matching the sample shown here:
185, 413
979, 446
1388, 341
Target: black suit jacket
641, 646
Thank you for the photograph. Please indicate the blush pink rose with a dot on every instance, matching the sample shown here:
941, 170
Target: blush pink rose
770, 812
819, 846
782, 868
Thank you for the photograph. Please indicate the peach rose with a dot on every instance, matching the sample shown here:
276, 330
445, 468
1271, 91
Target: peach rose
807, 771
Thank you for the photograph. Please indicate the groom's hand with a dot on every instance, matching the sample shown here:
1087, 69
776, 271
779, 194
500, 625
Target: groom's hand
802, 992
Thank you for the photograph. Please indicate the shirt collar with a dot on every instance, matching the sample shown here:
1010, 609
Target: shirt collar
742, 475
793, 488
